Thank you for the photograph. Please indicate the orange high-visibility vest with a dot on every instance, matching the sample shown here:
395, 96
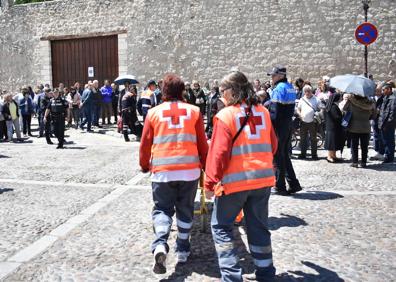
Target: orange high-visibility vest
175, 139
251, 164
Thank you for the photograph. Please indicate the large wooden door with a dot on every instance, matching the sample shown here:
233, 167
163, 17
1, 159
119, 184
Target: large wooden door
71, 59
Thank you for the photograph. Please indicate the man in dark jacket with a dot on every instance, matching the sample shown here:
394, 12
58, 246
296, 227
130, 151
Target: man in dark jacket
96, 103
87, 106
387, 123
282, 106
378, 146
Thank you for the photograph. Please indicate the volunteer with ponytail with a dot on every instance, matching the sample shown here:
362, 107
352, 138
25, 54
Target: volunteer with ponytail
240, 173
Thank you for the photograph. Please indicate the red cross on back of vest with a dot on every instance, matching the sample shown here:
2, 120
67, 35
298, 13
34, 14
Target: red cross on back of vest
256, 122
175, 115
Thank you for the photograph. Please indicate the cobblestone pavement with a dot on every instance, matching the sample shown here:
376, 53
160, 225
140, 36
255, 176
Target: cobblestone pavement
341, 227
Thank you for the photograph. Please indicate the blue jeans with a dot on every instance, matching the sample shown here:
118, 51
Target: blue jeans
168, 197
388, 140
255, 207
87, 117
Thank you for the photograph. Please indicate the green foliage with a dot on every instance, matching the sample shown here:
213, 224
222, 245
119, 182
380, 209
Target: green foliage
28, 1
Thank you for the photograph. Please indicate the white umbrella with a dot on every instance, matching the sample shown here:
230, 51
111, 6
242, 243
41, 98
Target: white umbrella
126, 78
354, 84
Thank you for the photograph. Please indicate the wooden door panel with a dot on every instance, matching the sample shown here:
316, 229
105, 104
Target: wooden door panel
72, 57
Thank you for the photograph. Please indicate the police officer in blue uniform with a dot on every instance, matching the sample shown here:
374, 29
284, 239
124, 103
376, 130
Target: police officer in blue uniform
283, 97
57, 110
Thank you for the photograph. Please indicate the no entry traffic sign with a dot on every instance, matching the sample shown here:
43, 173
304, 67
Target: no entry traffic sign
366, 33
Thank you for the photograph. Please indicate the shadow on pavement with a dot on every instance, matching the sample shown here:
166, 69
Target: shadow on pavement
323, 274
275, 223
317, 196
4, 190
203, 258
4, 157
382, 167
76, 148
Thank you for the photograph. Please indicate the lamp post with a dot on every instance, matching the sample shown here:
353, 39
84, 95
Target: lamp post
366, 6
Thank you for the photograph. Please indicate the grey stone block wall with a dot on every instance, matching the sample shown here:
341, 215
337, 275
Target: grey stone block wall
203, 39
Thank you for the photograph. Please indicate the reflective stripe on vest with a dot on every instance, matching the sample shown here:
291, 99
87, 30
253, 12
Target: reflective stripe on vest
251, 148
175, 160
251, 163
247, 175
175, 138
175, 141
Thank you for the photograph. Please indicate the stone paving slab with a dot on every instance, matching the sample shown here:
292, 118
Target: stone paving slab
28, 212
91, 158
339, 238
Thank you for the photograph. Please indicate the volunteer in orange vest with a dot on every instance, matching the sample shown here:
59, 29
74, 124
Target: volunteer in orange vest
240, 173
173, 147
146, 101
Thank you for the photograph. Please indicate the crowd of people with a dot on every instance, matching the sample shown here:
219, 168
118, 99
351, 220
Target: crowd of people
323, 110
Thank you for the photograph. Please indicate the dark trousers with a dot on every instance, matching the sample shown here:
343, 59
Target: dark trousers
255, 207
3, 130
96, 113
311, 129
59, 130
363, 139
283, 165
388, 139
114, 105
106, 112
48, 132
378, 145
75, 114
26, 123
40, 118
168, 197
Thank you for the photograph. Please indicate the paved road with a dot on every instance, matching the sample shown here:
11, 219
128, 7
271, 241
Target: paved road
83, 214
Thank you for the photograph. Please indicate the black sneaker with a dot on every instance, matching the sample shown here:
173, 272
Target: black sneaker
281, 191
294, 189
355, 165
315, 158
302, 157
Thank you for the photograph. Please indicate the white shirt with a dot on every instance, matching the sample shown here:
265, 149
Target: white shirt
307, 112
177, 175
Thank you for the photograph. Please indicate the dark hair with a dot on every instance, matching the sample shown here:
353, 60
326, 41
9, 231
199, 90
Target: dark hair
242, 89
172, 88
299, 82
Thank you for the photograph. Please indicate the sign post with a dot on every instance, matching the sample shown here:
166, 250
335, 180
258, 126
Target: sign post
366, 34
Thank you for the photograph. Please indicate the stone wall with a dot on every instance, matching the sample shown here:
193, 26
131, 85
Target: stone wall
202, 39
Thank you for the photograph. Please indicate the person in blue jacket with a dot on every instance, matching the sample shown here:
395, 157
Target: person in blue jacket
27, 110
87, 106
107, 92
283, 97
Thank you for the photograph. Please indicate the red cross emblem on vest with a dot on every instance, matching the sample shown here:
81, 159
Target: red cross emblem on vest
256, 122
174, 115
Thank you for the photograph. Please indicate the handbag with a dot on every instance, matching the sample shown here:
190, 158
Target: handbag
346, 119
317, 118
119, 124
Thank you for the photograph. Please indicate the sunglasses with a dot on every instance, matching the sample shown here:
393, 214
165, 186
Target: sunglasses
224, 89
